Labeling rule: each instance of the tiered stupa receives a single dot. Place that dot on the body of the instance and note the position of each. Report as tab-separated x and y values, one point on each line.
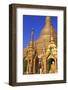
43	49
45	36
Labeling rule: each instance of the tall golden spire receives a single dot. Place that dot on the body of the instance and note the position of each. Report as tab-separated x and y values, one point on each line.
32	34
31	44
48	32
32	37
47	27
48	21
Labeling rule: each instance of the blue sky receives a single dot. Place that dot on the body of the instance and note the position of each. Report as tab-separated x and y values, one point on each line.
36	22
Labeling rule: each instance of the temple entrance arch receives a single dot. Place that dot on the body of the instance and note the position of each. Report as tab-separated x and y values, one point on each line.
50	65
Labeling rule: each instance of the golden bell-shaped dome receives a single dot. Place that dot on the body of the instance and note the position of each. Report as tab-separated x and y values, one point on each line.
48	28
48	31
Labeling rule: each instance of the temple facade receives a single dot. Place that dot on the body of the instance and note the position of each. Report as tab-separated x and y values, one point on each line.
40	56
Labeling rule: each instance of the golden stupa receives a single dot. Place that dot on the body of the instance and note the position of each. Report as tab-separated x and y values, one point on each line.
41	55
